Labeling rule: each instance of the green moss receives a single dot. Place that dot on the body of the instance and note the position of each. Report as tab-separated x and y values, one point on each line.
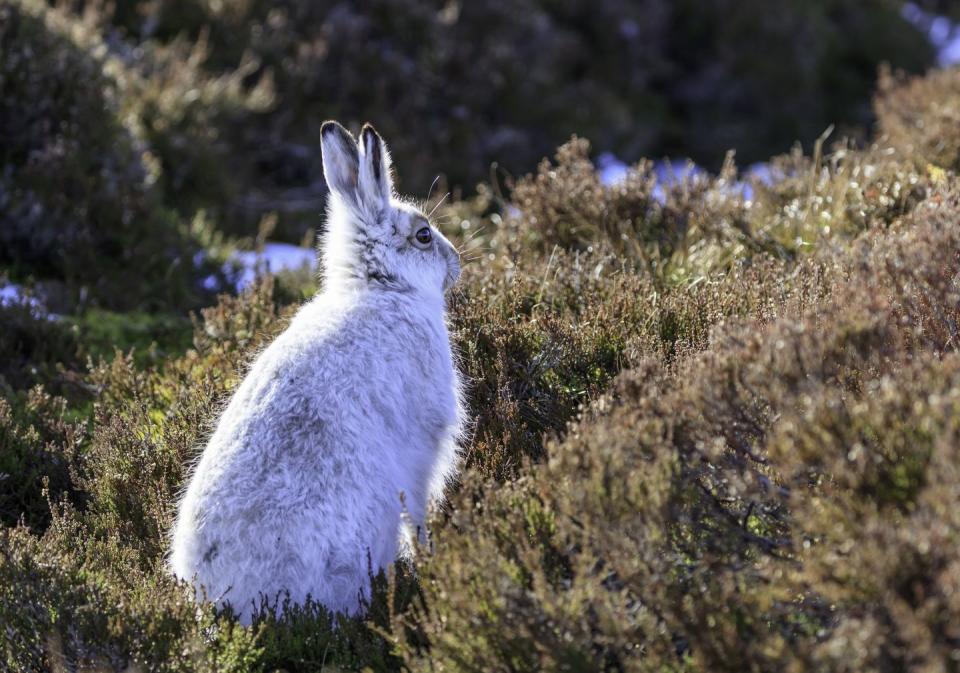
154	337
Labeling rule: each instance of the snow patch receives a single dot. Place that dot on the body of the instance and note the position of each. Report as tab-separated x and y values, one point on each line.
671	172
943	33
243	266
274	257
611	169
760	172
668	173
12	295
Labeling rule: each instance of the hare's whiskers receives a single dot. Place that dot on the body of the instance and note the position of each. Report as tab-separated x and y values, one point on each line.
439	203
432	185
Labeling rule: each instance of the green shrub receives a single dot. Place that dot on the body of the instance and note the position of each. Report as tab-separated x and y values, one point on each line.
78	206
108	154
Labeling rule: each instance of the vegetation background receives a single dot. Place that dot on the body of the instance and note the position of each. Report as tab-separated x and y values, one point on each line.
715	412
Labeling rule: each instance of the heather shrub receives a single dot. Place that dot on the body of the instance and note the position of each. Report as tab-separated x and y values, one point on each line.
698	224
712	430
830	46
75	604
109	155
150	424
875	479
541	335
538	338
670	529
835	195
70	600
566	204
39	453
917	115
541	343
189	118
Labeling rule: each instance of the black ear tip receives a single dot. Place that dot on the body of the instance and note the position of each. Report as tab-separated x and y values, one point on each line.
369	132
332	127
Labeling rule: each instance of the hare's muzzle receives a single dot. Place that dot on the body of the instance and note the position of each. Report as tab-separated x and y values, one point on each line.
453	266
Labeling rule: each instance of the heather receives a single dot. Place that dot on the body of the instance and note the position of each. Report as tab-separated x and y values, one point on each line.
713	422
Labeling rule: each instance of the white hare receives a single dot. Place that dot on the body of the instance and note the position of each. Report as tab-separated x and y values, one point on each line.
346	424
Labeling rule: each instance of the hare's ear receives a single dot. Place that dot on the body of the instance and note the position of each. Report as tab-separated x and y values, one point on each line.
376	185
341	161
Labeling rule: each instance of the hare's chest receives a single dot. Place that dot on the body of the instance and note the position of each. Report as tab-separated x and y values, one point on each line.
423	377
429	391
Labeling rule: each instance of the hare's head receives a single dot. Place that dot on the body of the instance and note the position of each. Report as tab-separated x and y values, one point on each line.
373	237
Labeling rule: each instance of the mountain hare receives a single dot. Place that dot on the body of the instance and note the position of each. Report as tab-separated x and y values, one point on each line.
346	426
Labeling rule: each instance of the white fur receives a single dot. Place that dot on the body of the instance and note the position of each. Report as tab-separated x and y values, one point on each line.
346	425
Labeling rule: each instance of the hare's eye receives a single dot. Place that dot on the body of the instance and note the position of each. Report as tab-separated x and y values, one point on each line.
424	235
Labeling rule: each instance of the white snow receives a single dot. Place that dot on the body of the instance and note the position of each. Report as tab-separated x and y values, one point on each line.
274	257
760	172
671	172
611	169
12	294
943	33
950	51
244	265
668	172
